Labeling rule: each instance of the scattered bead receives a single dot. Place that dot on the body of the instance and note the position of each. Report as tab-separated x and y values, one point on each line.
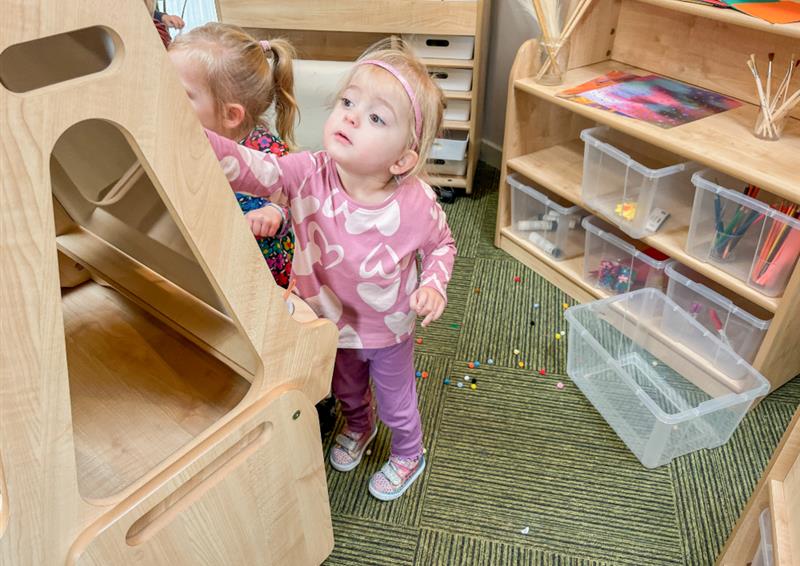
559	385
536	305
477	290
418	374
369	451
460	385
447	381
525	531
533	323
541	371
473	386
419	340
516	352
477	364
471	365
466	378
454	326
563	333
424	375
565	305
490	361
517	279
558	336
521	364
655	363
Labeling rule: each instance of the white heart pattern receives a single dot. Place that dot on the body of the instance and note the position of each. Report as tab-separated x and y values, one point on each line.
400	323
230	166
327	206
326	304
379	298
304	207
367	273
386	220
349	338
305	258
265	171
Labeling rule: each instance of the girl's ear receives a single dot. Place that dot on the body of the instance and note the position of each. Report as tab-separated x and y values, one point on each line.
405	164
232	116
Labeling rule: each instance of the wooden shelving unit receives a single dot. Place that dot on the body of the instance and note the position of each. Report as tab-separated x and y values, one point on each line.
683	41
340	31
779	491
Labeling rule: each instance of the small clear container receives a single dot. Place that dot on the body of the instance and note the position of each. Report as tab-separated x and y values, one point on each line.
616	266
548	222
741	235
734	325
642	188
666	390
763	556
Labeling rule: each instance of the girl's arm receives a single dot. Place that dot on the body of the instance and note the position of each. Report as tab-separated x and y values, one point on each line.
438	254
257	173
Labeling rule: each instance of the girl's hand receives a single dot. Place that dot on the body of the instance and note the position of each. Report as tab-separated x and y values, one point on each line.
264	222
427	302
172	21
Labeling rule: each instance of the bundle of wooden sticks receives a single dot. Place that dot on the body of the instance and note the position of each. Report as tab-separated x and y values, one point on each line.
549	25
775	106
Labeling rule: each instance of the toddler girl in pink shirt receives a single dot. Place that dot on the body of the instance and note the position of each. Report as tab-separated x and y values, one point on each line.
362	214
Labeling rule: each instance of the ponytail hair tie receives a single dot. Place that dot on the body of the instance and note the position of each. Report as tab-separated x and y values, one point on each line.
264	45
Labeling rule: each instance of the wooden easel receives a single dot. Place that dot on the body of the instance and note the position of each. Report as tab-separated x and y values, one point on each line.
156	396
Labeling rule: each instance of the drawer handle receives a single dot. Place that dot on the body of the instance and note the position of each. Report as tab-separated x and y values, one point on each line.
173	504
439	75
437	42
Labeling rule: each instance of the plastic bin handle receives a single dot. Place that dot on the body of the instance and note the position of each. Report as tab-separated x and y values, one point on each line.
606	148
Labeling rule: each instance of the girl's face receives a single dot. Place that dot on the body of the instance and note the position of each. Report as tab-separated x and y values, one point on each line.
369	128
196	87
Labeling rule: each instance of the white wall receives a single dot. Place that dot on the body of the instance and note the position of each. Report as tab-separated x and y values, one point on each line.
511	25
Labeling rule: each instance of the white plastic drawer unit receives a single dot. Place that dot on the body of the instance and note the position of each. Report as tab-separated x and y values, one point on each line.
442	46
452	147
457	110
447	167
452	79
664	383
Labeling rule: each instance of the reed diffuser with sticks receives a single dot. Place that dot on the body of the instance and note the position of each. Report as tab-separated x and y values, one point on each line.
774	105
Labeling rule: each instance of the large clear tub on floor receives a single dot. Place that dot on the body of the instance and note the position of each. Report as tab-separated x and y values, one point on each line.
665	384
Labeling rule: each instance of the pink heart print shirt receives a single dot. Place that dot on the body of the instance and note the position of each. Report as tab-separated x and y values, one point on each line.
354	264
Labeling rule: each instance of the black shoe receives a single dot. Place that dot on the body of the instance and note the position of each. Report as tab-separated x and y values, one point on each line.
326	409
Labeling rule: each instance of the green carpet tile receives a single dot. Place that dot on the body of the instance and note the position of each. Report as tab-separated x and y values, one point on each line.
521	472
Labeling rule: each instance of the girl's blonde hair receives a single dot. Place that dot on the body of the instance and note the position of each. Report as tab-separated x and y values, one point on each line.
396	52
238	70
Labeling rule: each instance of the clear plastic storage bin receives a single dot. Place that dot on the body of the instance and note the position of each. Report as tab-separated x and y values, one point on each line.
612	264
452	147
641	187
763	556
666	390
457	110
741	235
554	227
447	167
740	329
442	46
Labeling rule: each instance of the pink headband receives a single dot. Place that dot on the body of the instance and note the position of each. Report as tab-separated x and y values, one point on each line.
409	92
264	45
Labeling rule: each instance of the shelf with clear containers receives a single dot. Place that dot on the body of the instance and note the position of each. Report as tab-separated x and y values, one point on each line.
626	172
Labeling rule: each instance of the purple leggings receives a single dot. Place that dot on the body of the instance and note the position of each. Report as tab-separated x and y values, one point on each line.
392	371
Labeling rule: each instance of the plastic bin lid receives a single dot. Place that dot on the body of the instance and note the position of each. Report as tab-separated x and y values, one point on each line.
591	135
672	272
515	181
600	228
701	181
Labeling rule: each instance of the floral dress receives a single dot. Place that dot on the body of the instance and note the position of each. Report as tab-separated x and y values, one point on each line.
278	250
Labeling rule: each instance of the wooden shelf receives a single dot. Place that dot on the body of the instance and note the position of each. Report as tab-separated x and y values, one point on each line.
139	391
560	169
729	16
456	125
448	181
458	94
450	63
723	141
